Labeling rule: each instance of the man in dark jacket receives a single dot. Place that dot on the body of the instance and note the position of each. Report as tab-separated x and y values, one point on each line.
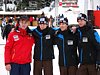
89	44
43	50
67	44
7	29
98	59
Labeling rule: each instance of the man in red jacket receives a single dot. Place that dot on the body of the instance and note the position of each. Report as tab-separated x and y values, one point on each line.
18	49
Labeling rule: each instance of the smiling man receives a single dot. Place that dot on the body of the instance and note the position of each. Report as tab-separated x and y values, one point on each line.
88	46
67	43
18	49
43	50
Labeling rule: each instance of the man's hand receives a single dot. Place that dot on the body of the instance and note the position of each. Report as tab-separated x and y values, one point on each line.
73	29
8	67
98	67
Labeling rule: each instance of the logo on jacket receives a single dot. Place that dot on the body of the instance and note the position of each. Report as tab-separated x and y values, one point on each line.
16	38
70	42
48	37
85	39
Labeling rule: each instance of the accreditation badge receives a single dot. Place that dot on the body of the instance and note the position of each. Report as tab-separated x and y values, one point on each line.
85	39
16	38
48	37
70	42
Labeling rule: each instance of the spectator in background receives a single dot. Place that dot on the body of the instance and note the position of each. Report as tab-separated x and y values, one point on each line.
7	29
43	14
4	22
31	21
51	20
3	26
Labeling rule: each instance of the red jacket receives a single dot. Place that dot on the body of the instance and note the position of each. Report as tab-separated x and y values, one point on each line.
18	47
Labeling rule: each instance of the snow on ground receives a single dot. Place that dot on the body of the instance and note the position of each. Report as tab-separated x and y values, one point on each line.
2	66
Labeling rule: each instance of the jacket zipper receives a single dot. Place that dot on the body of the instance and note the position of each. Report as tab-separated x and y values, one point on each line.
41	50
64	54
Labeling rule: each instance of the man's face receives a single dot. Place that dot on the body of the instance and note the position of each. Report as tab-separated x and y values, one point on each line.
81	23
42	26
10	23
23	24
63	26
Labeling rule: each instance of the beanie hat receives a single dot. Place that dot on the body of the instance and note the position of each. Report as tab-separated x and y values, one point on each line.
24	17
82	16
43	20
63	20
10	21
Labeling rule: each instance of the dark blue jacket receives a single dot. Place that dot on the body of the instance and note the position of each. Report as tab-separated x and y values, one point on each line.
89	45
67	43
43	49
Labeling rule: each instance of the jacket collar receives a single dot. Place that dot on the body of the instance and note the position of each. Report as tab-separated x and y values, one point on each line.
85	28
22	31
45	31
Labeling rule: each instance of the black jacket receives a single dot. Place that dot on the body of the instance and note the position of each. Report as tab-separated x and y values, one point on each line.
43	49
7	30
67	44
89	44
